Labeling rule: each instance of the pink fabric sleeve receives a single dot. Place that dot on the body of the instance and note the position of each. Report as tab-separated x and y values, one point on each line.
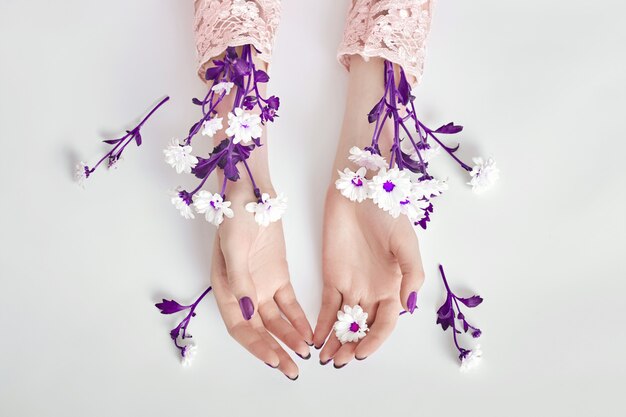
395	30
219	24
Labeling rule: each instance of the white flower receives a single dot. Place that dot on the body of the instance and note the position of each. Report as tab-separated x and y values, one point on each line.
353	185
223	86
427	154
213	207
243	126
484	174
351	324
212	126
81	174
389	188
413	207
182	201
179	156
429	188
188	354
268	210
472	359
367	159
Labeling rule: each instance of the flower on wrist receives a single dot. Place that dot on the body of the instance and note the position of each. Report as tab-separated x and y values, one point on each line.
353	185
365	158
403	185
268	210
234	74
179	157
213	207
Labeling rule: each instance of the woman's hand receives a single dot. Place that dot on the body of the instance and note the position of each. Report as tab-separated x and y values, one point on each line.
250	280
369	259
249	271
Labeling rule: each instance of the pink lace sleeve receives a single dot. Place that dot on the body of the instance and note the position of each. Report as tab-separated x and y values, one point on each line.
392	29
219	24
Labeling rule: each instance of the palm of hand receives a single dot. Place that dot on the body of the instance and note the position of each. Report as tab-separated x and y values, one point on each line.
370	259
250	261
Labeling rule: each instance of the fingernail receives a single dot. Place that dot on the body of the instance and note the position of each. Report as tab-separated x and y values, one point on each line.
273	367
360	359
340	366
325	363
304	357
247	308
293	379
411	303
317	347
310	344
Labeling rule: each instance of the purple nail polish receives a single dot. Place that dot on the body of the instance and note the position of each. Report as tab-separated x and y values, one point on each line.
340	366
412	302
324	363
247	308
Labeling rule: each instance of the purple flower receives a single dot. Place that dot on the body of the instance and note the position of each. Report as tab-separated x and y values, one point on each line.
449	314
179	333
234	74
119	144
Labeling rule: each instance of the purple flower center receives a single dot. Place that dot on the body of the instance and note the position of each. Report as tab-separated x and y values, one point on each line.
405	202
354	327
389	186
213	204
185	196
245	125
357	182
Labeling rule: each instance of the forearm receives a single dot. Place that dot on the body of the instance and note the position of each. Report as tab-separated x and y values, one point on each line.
365	88
254	172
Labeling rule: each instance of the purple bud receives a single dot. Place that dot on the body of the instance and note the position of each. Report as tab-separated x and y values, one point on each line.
261	76
449	128
170	306
476	333
273	102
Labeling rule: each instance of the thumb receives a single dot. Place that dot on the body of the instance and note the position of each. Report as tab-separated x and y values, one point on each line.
410	262
239	279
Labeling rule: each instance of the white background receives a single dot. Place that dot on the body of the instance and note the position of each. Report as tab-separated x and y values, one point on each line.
539	85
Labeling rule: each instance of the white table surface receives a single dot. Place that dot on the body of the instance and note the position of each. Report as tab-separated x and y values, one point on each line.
539	85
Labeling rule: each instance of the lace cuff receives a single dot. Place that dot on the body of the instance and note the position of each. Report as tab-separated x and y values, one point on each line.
395	30
219	24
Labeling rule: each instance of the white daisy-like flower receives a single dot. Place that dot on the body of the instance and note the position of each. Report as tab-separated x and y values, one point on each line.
427	154
413	207
484	174
351	324
367	159
389	188
179	157
213	207
188	354
429	188
243	126
212	126
353	185
81	173
223	87
268	210
182	201
472	359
